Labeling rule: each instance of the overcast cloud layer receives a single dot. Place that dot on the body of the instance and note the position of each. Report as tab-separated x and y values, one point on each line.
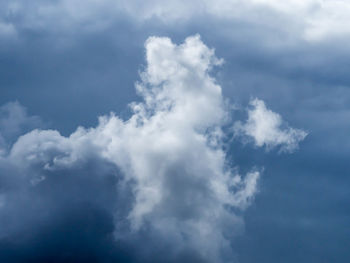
238	154
311	20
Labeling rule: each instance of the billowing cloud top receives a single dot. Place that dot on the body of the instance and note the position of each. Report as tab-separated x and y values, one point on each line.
174	182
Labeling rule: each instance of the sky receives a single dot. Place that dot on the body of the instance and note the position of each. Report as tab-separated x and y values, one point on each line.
174	131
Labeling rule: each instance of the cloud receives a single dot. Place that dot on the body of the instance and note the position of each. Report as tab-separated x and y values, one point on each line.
265	127
310	20
14	121
162	175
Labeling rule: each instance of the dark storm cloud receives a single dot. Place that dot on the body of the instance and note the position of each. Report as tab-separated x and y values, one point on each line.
67	218
72	216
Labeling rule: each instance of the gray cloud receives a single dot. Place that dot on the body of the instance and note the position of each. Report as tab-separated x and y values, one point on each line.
15	121
311	20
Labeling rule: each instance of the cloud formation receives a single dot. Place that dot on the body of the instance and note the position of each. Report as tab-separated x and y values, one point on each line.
160	175
310	20
14	121
265	127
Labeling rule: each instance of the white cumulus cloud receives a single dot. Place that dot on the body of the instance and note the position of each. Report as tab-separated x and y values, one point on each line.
170	150
265	127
